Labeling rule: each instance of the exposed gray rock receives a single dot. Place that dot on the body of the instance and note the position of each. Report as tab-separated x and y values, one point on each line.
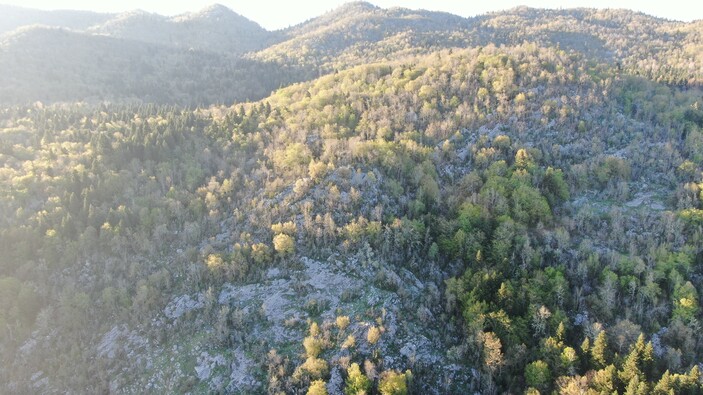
240	376
207	363
335	383
39	380
120	340
646	198
183	304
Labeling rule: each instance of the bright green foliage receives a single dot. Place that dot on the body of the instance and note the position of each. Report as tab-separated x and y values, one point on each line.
586	346
288	228
630	369
692	215
356	383
680	383
554	186
260	253
313	344
529	206
314	329
294	156
349	342
538	375
214	262
685	302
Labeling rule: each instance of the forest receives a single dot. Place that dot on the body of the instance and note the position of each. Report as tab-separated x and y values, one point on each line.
515	208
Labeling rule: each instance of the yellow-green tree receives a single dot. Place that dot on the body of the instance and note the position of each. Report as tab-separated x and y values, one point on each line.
356	383
373	335
393	383
317	387
283	244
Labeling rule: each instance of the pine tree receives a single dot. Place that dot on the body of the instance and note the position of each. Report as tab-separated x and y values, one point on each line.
604	380
664	385
639	356
561	332
630	368
599	350
636	387
586	346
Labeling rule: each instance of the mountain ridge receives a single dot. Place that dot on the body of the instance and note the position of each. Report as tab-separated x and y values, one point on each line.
359	32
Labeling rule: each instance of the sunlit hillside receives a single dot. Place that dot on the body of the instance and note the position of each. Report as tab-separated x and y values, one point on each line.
375	201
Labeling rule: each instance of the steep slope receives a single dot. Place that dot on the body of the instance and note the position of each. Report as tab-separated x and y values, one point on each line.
52	64
215	28
491	219
13	17
441	212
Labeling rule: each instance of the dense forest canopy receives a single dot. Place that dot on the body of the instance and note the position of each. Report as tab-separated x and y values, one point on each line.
374	201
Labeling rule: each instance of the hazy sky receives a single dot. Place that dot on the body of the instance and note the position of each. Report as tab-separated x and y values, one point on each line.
274	14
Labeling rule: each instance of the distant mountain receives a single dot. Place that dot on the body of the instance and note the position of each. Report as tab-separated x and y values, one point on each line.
354	34
366	17
12	17
54	64
215	28
358	32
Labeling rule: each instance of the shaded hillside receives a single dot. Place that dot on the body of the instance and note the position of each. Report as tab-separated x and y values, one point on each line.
56	65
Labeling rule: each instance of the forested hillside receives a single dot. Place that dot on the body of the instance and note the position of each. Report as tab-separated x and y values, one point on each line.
424	204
